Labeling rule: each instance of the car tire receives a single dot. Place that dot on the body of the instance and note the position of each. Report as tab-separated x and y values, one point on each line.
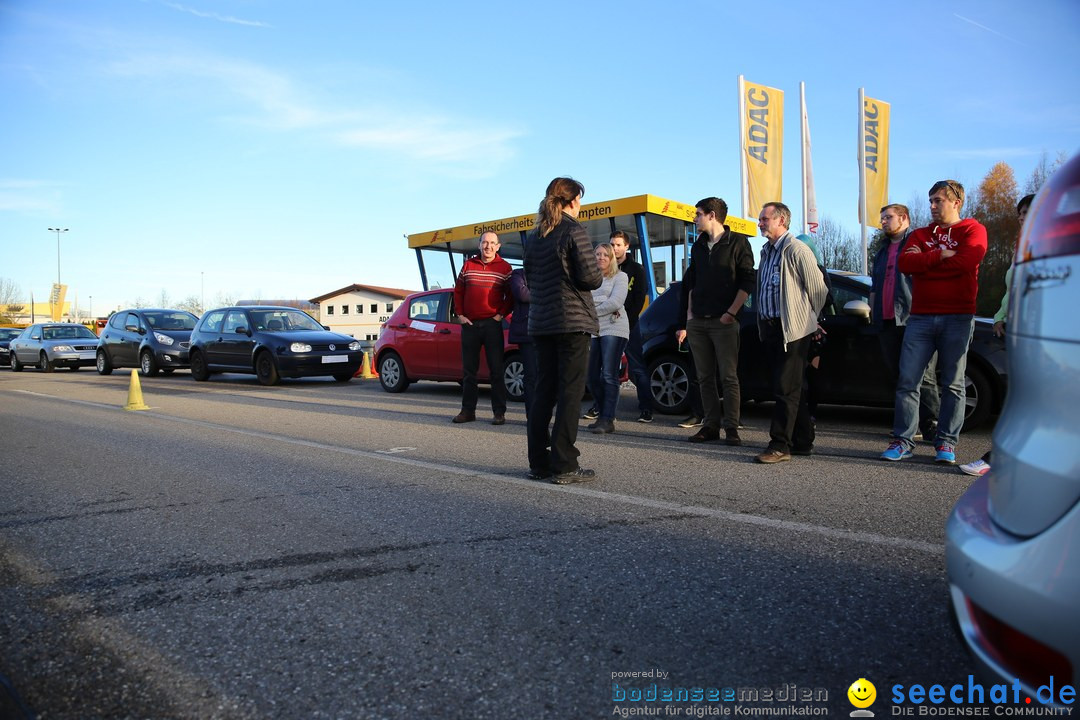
392	373
265	369
16	366
103	364
148	366
514	377
669	384
44	364
199	370
343	377
979	397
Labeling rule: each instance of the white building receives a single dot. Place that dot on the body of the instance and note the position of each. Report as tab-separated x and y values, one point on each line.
359	310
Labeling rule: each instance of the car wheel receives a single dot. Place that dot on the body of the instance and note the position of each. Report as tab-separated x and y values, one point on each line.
392	373
147	364
198	367
104	367
669	382
44	364
16	366
978	397
265	369
514	378
343	377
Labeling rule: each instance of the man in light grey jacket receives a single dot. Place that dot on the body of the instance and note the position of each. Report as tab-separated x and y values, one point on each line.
790	295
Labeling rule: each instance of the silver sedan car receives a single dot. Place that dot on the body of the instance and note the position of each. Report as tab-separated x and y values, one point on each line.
1013	539
48	346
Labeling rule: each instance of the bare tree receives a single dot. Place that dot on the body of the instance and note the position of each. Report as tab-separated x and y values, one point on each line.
839	247
192	304
225	298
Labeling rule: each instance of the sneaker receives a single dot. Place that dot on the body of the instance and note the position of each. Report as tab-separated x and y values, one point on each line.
498	420
731	436
645	416
592	413
770	457
978	468
946	454
570	477
691	422
896	451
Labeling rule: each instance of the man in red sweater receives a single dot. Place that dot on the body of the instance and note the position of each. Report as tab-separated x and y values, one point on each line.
482	299
943	262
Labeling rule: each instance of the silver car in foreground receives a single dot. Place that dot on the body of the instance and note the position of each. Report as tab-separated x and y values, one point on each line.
52	345
1013	539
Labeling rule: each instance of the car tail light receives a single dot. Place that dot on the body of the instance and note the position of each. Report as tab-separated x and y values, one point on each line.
1054	228
1022	656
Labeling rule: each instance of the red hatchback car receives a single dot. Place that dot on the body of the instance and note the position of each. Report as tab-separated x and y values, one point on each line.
422	341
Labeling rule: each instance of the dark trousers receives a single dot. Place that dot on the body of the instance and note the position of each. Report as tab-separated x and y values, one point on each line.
486	334
639	373
561	364
716	356
527	353
791	425
891	339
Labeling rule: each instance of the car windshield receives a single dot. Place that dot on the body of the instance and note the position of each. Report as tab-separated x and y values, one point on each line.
283	321
170	320
66	332
9	333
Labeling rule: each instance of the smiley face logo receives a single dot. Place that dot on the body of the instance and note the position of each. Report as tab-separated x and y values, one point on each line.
862	693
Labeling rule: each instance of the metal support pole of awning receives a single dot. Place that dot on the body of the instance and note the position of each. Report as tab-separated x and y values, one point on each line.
423	270
646	254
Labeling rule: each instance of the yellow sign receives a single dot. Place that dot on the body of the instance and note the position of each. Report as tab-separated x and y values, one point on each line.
762	128
56	301
637	204
875	141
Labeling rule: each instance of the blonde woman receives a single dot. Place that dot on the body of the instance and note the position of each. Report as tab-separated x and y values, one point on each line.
607	346
561	271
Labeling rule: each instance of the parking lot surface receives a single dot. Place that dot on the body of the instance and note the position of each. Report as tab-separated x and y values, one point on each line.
322	550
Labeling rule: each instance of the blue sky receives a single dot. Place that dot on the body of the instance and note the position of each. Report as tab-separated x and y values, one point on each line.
281	149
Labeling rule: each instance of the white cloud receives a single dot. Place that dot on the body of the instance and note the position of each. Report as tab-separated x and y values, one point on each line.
215	16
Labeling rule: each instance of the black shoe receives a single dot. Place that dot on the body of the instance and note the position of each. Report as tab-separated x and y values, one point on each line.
539	474
803	451
691	422
570	477
464	416
592	413
731	436
645	416
499	420
705	434
603	426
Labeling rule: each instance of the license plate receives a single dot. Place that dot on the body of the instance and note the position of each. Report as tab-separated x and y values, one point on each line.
335	358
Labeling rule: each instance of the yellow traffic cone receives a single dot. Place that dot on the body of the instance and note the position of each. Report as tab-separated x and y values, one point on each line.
135	401
365	368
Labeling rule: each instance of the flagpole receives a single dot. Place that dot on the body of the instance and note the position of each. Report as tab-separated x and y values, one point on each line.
862	174
802	138
742	153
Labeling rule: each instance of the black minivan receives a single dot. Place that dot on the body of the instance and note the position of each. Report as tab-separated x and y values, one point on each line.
150	339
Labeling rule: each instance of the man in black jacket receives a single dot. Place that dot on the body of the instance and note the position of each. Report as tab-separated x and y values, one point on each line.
635	301
715	286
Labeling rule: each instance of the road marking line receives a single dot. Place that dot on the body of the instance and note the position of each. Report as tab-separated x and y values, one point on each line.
644	502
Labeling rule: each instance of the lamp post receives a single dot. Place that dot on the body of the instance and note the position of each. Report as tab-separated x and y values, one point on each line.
91	308
58	231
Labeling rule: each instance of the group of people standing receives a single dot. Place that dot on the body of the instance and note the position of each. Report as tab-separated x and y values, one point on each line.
575	311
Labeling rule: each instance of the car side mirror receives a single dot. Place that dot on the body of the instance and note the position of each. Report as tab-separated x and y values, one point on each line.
242	331
131	328
326	327
857	308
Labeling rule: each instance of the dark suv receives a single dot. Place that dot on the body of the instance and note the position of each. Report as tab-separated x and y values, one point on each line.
852	369
150	339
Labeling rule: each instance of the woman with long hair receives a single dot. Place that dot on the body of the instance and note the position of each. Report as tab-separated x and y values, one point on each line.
561	271
607	347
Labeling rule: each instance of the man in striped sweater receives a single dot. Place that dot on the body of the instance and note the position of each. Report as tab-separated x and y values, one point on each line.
482	299
790	295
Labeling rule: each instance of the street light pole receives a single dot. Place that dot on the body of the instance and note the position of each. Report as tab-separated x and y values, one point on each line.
58	231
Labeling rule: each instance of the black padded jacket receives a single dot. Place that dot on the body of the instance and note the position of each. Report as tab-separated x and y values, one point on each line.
561	271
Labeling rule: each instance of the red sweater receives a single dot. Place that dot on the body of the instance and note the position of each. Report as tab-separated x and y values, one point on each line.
482	289
944	286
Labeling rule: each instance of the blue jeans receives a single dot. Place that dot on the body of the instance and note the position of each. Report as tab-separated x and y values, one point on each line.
604	356
949	336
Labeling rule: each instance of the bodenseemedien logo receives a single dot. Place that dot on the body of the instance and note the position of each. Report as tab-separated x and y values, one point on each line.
862	694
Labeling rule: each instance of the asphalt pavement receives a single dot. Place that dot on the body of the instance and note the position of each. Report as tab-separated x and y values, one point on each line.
322	550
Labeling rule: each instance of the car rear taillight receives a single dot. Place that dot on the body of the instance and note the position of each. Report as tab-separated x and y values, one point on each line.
1019	654
1054	227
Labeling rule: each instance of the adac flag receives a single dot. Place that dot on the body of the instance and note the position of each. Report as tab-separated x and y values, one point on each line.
762	145
875	166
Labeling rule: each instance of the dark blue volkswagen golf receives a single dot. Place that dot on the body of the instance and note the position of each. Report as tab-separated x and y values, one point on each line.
271	343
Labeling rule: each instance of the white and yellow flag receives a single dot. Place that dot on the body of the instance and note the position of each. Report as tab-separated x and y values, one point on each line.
875	158
761	129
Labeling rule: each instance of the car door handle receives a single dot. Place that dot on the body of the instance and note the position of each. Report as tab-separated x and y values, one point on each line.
444	331
400	326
